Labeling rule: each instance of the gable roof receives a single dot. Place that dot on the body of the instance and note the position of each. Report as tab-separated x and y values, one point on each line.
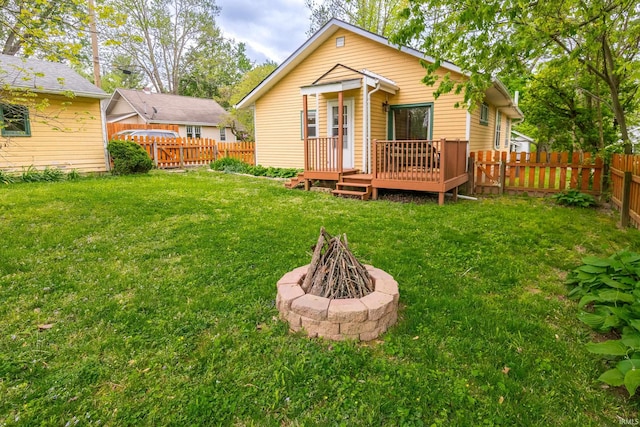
45	77
330	28
167	108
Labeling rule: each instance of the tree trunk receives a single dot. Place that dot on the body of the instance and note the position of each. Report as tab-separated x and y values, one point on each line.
614	85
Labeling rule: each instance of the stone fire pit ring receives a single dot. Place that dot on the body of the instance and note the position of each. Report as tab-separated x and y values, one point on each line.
361	319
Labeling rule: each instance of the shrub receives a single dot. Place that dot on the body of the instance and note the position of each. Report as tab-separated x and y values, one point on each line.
52	174
73	175
129	158
575	198
228	164
5	178
610	289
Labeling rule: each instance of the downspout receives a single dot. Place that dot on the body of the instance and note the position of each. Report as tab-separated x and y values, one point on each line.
105	140
368	144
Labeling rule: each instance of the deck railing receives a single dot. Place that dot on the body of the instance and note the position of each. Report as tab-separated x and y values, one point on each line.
419	160
322	155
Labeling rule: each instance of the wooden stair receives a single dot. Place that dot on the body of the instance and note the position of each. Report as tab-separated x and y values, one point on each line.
358	185
295	181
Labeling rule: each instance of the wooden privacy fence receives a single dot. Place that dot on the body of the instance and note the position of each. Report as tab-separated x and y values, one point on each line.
117	127
625	188
495	172
168	153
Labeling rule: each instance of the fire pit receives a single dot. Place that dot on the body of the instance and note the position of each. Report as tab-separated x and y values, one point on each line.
314	297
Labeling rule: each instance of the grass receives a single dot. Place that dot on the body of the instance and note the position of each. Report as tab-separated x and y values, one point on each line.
160	289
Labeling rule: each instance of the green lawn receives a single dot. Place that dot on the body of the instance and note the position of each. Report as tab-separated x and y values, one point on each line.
160	294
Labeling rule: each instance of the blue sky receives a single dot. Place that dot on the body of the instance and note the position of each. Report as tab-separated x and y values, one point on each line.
271	29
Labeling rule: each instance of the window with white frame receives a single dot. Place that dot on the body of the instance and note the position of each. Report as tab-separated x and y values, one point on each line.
223	134
484	114
312	124
507	133
498	130
194	132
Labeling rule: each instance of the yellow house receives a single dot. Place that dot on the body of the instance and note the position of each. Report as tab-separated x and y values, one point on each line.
392	132
49	117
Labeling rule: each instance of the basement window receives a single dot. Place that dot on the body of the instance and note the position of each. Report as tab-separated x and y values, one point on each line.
339	41
14	120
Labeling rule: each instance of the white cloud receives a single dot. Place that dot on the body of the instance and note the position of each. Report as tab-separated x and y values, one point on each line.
271	29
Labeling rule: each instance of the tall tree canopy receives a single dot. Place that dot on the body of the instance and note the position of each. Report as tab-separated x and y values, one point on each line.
377	16
43	28
498	37
214	65
158	34
241	121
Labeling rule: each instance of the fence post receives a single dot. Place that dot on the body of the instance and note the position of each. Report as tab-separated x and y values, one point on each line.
155	152
181	155
472	176
626	199
503	171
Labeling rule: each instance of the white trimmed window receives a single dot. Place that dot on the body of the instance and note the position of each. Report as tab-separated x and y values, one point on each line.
312	124
223	134
507	133
484	114
498	139
194	132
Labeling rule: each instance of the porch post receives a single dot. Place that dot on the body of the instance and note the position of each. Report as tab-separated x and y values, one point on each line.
305	131
340	129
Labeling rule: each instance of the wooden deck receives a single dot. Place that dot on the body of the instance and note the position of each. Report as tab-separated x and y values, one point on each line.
436	166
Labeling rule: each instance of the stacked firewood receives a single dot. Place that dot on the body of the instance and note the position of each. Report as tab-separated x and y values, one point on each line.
334	272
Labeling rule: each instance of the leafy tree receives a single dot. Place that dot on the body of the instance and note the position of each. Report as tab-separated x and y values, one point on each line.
158	34
44	28
123	73
563	107
377	16
215	65
501	37
241	121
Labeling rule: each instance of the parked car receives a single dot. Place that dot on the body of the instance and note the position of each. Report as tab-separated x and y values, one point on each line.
157	133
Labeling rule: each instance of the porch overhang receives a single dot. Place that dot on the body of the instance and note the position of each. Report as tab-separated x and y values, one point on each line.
331	87
368	78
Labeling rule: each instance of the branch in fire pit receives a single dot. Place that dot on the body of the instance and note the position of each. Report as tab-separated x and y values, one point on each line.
334	272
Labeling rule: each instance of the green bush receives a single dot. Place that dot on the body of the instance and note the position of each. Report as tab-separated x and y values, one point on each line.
575	198
228	164
73	175
609	290
31	174
129	158
6	178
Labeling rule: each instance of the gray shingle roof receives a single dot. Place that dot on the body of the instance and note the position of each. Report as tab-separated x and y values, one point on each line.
174	109
45	77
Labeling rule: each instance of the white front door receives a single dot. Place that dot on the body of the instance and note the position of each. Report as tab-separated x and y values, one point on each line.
347	141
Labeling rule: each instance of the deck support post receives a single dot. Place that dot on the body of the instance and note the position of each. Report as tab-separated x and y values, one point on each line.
305	137
441	198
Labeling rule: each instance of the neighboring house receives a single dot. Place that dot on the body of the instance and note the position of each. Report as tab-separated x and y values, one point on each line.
383	98
195	117
520	143
50	116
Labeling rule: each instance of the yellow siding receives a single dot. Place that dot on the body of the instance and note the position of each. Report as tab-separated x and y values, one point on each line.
482	137
67	135
278	111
